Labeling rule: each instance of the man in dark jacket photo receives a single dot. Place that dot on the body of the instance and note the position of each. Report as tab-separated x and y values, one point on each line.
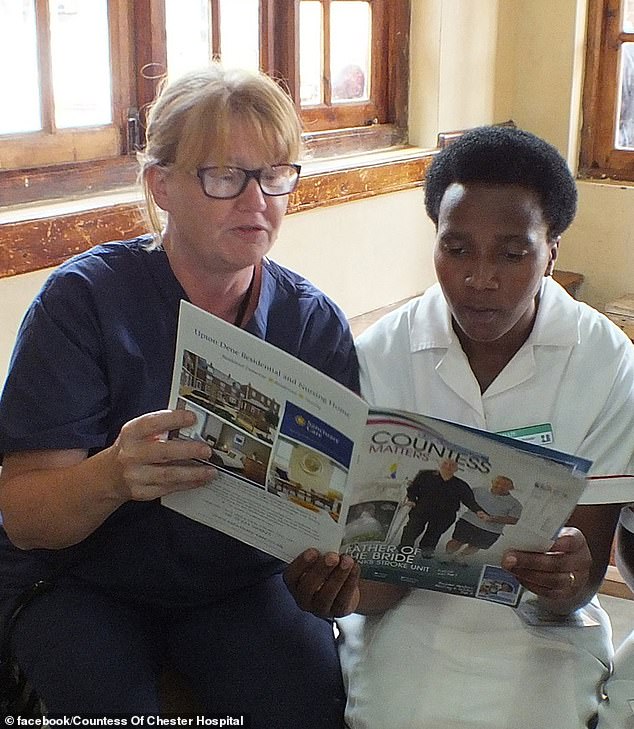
435	496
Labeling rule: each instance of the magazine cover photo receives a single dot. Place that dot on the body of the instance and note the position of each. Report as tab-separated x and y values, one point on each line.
432	514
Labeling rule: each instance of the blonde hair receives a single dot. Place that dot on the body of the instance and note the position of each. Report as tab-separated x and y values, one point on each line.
192	116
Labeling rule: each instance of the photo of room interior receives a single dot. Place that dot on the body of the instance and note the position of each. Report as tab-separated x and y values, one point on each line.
233	450
307	478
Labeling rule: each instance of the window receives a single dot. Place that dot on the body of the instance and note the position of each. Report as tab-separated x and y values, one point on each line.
607	141
335	75
57	80
83	72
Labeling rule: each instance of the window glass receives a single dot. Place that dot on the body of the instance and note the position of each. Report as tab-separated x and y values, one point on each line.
350	34
19	79
240	33
625	127
628	16
311	43
80	59
187	29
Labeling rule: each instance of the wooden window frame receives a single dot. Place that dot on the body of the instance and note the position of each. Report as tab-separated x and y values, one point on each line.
357	127
326	115
138	42
50	146
599	157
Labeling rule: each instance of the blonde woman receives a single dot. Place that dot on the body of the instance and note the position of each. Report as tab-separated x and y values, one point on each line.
135	584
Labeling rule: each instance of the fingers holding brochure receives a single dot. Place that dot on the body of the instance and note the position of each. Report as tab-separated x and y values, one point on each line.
324	584
560	575
148	465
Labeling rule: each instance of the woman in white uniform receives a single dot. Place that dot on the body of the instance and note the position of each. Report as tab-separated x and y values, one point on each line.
498	345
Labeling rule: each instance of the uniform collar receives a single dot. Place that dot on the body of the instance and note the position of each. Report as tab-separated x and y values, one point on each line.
554	324
431	329
430	322
557	324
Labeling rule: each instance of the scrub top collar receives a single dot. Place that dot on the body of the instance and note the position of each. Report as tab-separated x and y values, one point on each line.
173	292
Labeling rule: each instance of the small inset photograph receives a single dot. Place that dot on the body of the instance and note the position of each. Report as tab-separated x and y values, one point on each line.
498	585
311	462
237	403
233	451
307	478
369	521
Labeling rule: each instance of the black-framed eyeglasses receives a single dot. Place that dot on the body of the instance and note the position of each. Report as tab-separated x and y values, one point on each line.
224	183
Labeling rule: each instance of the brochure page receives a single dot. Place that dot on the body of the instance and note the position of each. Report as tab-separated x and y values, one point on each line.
303	462
282	437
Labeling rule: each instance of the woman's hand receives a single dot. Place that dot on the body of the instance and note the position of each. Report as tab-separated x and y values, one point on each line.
52	499
560	576
148	465
324	584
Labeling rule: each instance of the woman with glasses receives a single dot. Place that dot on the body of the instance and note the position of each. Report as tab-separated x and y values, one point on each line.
136	585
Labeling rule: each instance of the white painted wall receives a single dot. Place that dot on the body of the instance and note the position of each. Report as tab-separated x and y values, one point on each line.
600	242
364	254
550	37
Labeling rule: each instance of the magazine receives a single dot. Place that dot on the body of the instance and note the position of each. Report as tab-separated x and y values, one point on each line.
304	462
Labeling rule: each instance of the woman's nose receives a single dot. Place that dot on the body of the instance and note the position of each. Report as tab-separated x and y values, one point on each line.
482	275
252	196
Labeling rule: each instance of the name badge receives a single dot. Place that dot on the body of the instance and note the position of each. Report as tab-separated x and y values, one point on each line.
536	434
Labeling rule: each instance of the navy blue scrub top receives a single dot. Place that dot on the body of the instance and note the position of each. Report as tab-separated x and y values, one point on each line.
96	349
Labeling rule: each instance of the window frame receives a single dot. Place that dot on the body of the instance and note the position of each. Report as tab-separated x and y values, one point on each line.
599	158
326	115
138	41
50	147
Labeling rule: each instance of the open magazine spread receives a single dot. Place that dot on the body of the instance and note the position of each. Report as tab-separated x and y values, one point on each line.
303	462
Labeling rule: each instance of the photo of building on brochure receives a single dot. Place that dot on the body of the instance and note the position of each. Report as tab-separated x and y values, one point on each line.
234	418
277	447
434	515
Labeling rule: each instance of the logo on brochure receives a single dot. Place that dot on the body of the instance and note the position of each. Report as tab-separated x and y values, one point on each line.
315	433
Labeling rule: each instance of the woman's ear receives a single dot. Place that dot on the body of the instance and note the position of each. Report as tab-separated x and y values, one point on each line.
554	252
157	182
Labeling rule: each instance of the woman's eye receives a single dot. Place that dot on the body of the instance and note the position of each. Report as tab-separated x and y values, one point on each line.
455	250
514	255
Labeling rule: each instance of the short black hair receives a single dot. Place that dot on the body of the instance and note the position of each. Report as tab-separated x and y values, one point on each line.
508	156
